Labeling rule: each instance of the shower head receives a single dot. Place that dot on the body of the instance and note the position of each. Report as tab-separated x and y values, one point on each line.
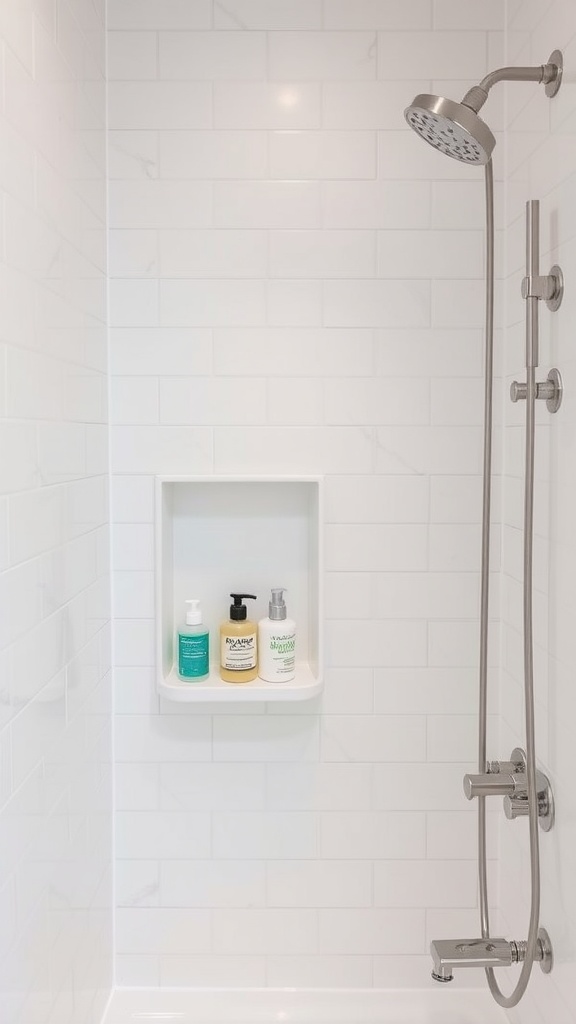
456	129
453	128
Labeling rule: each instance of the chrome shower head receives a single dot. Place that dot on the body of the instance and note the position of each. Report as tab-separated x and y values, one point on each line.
453	128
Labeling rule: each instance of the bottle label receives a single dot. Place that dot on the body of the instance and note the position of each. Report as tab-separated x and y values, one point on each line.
238	653
282	652
193	655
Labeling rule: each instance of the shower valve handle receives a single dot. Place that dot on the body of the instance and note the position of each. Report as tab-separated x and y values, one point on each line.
518	391
516	805
492	784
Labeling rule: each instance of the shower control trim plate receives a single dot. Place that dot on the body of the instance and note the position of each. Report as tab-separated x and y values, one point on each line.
509	779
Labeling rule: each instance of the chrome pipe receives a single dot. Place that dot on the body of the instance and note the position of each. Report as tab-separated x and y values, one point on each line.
549	74
532	271
485	554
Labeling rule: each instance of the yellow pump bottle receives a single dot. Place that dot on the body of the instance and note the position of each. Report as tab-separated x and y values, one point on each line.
238	644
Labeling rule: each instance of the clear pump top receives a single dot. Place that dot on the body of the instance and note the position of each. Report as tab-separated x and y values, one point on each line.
193	612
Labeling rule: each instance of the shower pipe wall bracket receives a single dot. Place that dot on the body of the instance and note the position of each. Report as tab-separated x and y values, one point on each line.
549	287
549	390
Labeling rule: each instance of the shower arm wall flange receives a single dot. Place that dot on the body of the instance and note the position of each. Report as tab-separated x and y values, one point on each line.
549	75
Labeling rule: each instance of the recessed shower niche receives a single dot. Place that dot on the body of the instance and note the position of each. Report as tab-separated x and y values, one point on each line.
217	535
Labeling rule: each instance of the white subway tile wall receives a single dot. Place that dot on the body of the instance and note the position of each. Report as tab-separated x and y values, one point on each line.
56	911
541	151
296	288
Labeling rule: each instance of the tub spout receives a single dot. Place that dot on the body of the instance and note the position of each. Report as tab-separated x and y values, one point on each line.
448	954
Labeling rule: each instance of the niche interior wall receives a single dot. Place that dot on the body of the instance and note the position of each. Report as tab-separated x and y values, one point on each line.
296	289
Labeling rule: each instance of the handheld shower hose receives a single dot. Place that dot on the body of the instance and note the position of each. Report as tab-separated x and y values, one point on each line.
532	794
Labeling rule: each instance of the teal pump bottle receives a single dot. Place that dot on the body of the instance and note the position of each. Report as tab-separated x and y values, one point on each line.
193	645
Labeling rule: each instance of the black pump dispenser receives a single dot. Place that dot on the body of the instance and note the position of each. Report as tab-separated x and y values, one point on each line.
238	610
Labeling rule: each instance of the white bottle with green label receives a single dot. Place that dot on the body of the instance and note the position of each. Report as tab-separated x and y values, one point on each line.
193	645
277	642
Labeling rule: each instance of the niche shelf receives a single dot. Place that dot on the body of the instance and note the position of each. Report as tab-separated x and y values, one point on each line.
218	534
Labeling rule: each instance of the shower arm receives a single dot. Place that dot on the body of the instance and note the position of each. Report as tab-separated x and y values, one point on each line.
549	74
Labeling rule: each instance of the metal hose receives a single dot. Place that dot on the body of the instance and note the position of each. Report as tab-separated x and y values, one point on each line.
531	363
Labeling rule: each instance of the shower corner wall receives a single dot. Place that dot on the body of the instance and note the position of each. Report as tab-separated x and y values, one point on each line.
56	920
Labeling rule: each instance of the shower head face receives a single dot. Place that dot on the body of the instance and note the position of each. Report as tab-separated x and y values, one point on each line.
452	128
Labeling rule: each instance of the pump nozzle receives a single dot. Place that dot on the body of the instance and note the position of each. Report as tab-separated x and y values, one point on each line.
277	606
193	612
238	610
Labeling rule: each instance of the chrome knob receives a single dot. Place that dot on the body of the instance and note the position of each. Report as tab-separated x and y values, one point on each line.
518	391
516	806
508	767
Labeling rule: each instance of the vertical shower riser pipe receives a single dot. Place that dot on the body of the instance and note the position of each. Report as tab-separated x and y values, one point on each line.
485	555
